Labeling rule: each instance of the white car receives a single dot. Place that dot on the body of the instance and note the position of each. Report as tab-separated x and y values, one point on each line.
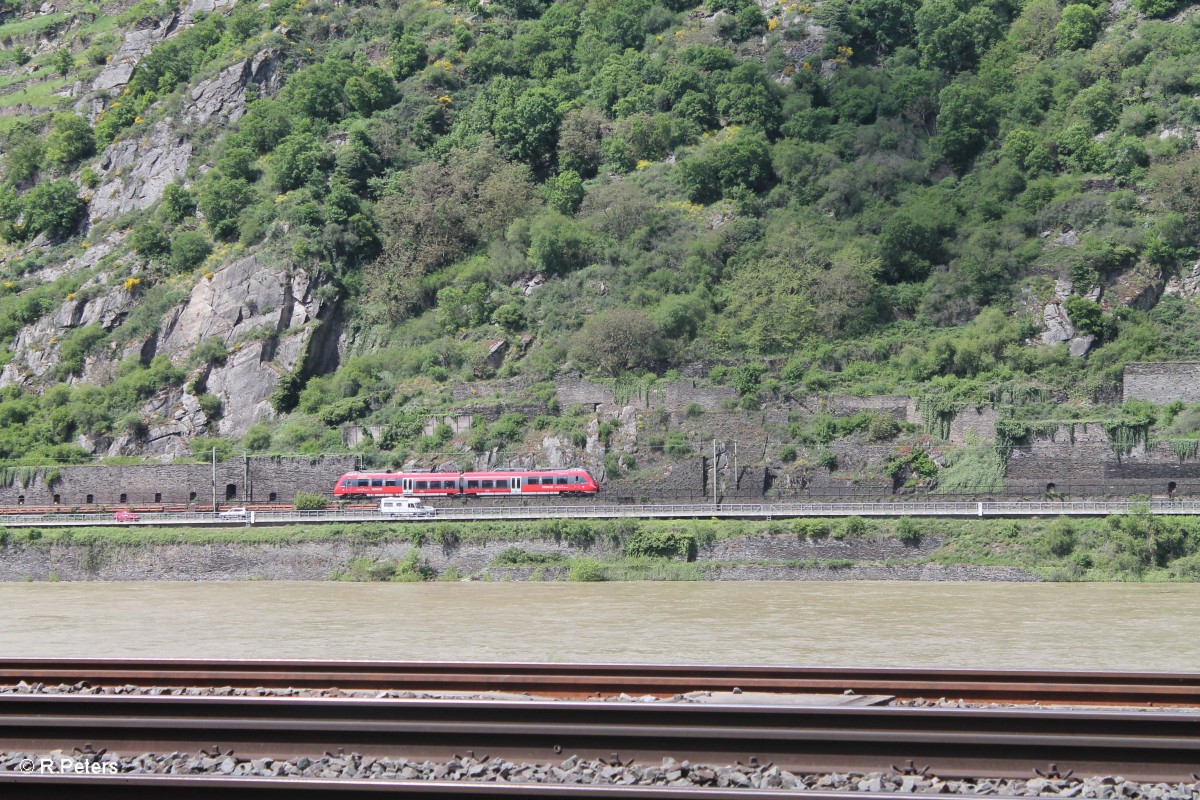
405	506
234	513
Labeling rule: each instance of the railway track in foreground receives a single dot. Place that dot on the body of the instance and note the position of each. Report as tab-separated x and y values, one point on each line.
949	743
583	680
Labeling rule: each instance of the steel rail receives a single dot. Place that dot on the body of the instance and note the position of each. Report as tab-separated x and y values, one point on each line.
576	680
155	787
951	742
765	511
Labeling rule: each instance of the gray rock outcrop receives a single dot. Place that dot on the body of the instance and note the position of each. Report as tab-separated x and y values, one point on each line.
224	97
137	44
270	321
139	170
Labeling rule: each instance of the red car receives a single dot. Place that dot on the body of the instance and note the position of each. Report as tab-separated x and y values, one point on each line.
126	516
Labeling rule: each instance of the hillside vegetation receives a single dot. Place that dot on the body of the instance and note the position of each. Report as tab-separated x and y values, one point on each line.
867	197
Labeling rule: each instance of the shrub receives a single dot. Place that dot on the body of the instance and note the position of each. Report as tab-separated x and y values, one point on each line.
1156	8
811	528
188	250
853	526
907	531
211	405
676	446
882	427
149	240
585	570
660	544
308	501
178	203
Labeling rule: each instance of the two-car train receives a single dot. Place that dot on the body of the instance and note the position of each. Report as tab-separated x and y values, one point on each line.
507	482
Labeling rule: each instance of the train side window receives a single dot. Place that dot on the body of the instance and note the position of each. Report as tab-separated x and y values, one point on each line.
364	483
439	485
489	484
422	484
390	483
502	484
472	484
378	483
561	480
533	481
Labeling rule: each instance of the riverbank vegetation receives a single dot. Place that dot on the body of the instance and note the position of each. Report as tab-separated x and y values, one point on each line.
1133	547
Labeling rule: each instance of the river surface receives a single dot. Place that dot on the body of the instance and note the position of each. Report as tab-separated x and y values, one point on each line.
1051	626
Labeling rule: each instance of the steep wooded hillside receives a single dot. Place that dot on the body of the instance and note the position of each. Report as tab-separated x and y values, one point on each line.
248	224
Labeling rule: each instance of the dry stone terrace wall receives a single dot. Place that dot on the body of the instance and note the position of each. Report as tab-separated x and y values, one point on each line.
247	480
1086	464
1163	383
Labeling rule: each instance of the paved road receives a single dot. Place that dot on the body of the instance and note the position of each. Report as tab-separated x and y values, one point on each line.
681	511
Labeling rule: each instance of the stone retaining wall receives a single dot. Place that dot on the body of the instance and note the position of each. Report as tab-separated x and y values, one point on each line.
1083	463
320	560
247	480
1163	383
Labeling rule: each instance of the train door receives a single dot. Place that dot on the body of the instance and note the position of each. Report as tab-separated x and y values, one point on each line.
516	486
406	485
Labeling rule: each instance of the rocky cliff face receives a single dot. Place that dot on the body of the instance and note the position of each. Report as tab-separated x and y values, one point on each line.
270	318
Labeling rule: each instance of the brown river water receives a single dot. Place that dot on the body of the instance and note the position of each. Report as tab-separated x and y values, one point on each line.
1050	626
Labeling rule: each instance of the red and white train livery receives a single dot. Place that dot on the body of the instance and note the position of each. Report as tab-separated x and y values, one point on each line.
453	484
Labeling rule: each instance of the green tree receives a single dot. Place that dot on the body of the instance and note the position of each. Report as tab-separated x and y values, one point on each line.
1156	8
612	342
954	34
178	203
559	245
264	125
188	250
70	139
408	56
148	240
23	152
884	25
54	208
564	192
300	159
1077	27
369	91
62	61
528	129
964	121
221	200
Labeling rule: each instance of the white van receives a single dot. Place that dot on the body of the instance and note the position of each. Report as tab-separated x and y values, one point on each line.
406	506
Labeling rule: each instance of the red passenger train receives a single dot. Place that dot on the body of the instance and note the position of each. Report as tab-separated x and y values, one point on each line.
452	484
